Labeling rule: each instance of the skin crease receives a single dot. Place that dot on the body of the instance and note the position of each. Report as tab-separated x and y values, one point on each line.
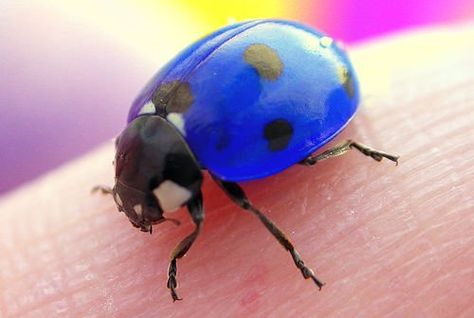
388	241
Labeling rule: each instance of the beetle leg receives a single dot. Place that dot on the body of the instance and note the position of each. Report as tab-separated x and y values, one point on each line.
197	213
237	194
102	189
345	147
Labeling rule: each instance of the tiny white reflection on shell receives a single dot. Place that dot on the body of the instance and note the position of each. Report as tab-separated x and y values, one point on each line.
326	41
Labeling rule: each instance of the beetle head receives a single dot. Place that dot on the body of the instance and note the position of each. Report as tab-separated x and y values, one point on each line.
155	171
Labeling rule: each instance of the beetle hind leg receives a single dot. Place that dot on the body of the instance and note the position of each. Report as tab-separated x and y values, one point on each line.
345	147
236	194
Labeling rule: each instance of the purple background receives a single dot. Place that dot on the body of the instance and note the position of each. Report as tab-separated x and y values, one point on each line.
66	85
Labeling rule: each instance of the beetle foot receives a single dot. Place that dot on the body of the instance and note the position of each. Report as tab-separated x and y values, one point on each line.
309	273
174	295
377	155
172	283
306	271
343	148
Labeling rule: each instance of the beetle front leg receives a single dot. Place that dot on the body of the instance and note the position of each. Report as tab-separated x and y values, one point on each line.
197	213
345	147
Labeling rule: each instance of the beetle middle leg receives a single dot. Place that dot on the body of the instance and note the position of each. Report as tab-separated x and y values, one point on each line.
237	194
196	210
345	147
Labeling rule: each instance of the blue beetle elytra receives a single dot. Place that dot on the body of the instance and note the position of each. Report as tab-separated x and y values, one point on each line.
245	102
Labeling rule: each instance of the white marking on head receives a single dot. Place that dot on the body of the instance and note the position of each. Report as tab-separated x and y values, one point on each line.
171	195
178	121
138	209
148	108
118	199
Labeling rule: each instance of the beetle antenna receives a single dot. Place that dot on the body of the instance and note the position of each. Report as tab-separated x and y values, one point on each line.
102	189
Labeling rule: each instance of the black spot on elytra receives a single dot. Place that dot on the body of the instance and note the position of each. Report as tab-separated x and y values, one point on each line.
278	133
347	82
172	97
223	140
264	60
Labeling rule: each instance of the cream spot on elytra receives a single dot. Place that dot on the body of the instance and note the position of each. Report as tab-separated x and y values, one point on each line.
148	108
177	120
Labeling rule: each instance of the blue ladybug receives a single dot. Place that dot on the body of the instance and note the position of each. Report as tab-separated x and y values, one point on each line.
243	103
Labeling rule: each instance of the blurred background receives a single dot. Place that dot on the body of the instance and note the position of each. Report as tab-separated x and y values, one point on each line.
70	69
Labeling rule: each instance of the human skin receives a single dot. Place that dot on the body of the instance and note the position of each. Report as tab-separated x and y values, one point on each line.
388	241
